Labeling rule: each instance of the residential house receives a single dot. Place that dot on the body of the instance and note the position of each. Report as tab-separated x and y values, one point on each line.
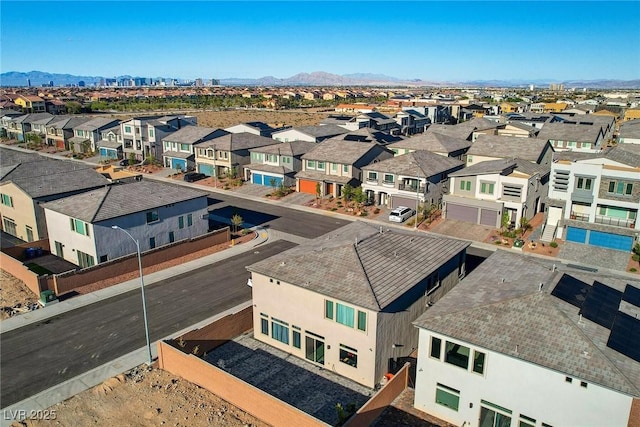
594	198
256	128
533	119
554	107
345	301
39	125
336	162
575	137
179	147
87	134
508	129
377	121
355	108
629	132
367	134
411	121
228	153
418	177
464	130
276	164
308	133
7	122
631	114
55	107
435	142
524	342
30	104
110	145
59	130
486	192
492	147
19	126
143	136
81	226
28	179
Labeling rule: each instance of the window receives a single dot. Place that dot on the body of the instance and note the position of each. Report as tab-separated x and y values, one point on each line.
189	220
314	348
29	231
85	260
59	250
372	176
152	242
328	309
344	315
296	337
152	216
362	320
469	159
180	222
583	384
478	362
447	396
104	258
151	133
584	183
526	421
349	355
492	415
184	147
621	187
79	227
311	164
436	347
334	167
127	129
320	166
286	160
7	200
388	178
9	226
465	185
433	283
280	330
172	237
345	168
486	188
457	354
264	324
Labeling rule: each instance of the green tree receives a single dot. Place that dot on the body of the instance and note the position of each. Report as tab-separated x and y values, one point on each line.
347	193
236	221
33	140
132	158
74	107
359	196
505	221
318	192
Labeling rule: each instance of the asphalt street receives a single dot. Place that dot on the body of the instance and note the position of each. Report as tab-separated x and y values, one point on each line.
38	356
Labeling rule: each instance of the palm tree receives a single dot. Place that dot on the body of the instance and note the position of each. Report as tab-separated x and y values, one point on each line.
236	221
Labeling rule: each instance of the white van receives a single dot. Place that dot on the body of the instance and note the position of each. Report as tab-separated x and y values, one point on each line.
400	214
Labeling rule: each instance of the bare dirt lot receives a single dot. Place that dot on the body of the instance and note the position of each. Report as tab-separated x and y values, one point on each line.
14	296
224	119
145	397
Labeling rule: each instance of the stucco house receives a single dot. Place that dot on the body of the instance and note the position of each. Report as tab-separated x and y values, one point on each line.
256	128
524	342
275	165
88	134
345	301
435	142
142	136
80	226
629	132
493	147
308	133
179	150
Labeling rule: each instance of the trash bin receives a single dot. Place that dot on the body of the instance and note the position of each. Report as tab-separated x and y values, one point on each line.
47	296
38	251
30	253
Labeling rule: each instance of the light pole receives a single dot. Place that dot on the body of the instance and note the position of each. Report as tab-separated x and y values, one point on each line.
144	303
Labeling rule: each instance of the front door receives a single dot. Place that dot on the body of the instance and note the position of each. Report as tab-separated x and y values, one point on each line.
59	251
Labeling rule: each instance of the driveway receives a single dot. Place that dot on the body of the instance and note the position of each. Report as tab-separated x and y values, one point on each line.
594	256
462	230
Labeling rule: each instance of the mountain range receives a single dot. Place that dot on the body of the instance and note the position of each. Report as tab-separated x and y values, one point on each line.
321	78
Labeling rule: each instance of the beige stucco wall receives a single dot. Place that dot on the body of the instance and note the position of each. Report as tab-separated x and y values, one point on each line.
22	212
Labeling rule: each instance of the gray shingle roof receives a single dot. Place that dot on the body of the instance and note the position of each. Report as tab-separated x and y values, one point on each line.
96	123
433	141
503	166
116	200
499	306
508	146
46	177
417	164
294	148
238	141
570	132
367	134
194	134
372	273
318	131
627	154
340	151
630	129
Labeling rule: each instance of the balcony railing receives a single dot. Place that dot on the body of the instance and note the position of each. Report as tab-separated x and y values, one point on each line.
579	217
409	187
605	220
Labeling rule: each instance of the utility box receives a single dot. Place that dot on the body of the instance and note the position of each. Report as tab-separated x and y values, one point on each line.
47	296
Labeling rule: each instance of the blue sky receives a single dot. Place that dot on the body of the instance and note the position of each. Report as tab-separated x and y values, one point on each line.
431	40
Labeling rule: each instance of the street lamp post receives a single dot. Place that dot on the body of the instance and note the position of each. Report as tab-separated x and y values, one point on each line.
144	303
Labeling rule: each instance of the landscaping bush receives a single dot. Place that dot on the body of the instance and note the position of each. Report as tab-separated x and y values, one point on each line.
633	269
553	244
334	209
376	211
635	257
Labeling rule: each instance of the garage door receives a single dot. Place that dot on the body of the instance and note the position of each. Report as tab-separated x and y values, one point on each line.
610	240
179	164
308	187
578	235
205	169
462	213
409	202
272	181
257	178
489	217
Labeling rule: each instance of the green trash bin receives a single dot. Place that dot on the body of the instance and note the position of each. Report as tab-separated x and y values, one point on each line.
47	296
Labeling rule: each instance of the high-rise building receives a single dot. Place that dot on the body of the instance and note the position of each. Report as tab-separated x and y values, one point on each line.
215	82
28	82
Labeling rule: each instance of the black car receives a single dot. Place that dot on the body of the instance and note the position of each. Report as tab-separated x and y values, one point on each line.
124	162
193	176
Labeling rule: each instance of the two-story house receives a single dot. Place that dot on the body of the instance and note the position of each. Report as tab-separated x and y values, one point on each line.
418	177
435	142
87	134
370	135
179	147
521	342
573	136
345	301
484	192
629	132
110	144
275	165
228	153
411	121
60	130
594	198
7	122
28	179
256	128
143	136
493	147
30	103
336	162
308	133
19	126
81	226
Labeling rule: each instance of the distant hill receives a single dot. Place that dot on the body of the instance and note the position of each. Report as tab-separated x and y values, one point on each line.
321	78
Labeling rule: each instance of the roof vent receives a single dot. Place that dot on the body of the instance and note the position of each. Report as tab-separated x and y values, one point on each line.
502	280
516	348
380	229
540	287
356	241
283	263
395	254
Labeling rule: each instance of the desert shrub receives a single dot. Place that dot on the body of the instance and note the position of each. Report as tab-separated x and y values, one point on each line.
553	244
633	269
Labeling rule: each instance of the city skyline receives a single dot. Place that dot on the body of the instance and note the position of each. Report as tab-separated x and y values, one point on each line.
432	41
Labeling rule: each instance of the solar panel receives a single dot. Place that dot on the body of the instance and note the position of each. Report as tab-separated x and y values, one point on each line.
571	290
632	295
601	304
625	336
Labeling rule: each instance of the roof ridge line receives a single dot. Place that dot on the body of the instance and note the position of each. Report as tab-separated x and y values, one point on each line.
375	297
95	213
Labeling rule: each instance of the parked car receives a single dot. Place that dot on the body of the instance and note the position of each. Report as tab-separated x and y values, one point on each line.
401	214
124	162
193	176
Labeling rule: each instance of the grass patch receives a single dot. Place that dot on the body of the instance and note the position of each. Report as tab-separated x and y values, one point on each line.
39	270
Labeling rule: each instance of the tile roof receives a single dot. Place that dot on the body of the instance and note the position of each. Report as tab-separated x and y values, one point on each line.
340	151
508	146
294	148
417	164
116	200
360	265
433	141
570	132
500	306
238	141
